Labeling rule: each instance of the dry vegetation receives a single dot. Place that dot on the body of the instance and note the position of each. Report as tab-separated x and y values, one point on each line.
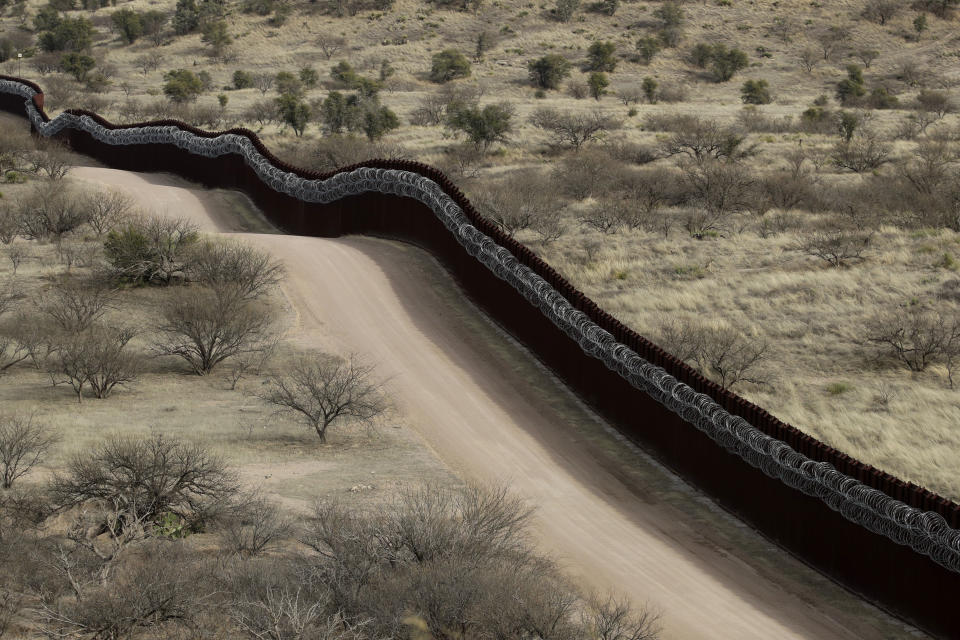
781	210
176	502
790	190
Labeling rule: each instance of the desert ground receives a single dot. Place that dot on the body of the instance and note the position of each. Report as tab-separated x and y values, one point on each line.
471	406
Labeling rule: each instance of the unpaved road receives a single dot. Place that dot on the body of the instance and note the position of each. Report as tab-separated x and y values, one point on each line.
710	576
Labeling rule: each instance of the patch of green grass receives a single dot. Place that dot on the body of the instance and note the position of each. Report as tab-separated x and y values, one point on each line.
839	388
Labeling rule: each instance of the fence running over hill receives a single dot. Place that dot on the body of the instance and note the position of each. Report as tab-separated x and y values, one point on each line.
894	542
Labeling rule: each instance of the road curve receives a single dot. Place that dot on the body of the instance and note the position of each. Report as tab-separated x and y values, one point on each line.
369	296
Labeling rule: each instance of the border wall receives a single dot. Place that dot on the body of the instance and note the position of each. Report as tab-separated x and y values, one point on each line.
895	543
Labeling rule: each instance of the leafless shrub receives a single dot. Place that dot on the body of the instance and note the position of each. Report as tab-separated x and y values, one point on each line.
631	152
10	296
23	444
463	160
754	120
263	82
324	390
74	304
263	112
8	223
606	215
206	326
578	90
702	140
251	272
523	200
630	95
332	152
432	110
592	172
148	62
717	189
610	618
49	210
862	153
10	605
574	129
837	247
646	194
107	209
918	336
51	159
254	526
881	10
454	559
96	357
156	588
330	45
723	352
149	478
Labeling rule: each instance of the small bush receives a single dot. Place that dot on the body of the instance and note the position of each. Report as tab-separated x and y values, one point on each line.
548	71
242	79
600	57
449	65
755	92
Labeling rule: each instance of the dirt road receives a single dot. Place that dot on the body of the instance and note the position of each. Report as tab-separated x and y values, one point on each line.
607	513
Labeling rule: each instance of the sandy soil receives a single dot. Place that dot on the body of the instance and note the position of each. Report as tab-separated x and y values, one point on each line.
488	423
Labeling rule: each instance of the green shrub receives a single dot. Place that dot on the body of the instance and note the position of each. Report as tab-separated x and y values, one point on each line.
242	79
726	62
600	57
309	77
647	48
68	34
182	85
598	83
128	24
78	65
288	84
548	71
755	92
565	9
851	87
483	126
294	112
449	65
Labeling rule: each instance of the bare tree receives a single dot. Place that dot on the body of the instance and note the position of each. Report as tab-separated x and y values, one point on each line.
809	59
718	189
862	153
51	158
838	247
148	478
96	357
254	525
525	199
23	444
833	40
732	356
330	45
10	296
49	210
263	82
206	326
148	62
917	336
107	209
611	618
327	389
881	10
223	263
703	140
74	305
606	215
575	129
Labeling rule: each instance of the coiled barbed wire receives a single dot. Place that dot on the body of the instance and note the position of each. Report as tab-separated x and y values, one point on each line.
926	532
